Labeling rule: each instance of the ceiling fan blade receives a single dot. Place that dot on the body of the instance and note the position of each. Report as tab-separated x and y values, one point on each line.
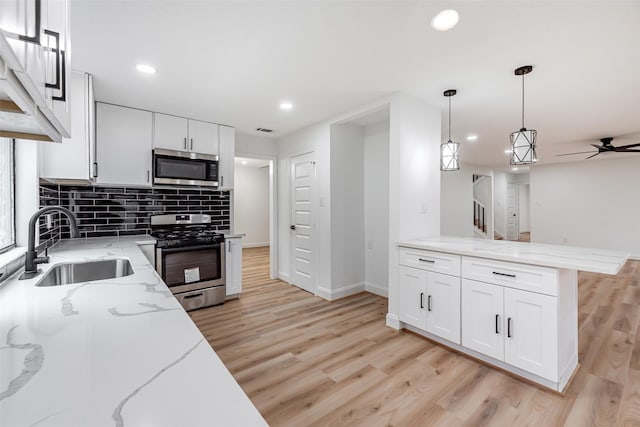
628	146
592	156
628	151
571	154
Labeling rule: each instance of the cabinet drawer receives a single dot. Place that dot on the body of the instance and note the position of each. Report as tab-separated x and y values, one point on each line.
431	261
519	276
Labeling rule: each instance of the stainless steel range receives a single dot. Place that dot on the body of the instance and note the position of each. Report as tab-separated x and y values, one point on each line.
190	258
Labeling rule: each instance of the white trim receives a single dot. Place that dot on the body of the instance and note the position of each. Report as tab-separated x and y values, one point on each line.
255	245
11	255
284	277
373	288
635	256
344	291
393	321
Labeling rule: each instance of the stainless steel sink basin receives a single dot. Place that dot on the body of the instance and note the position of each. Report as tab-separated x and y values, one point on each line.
77	272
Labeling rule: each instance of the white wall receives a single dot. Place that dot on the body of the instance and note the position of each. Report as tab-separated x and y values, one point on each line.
591	203
376	207
251	205
414	181
456	200
255	144
523	208
347	210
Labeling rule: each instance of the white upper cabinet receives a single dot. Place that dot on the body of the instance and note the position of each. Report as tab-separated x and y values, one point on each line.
226	165
170	132
178	133
35	46
72	160
124	140
203	137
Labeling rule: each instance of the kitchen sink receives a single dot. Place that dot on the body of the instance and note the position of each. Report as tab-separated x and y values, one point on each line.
77	272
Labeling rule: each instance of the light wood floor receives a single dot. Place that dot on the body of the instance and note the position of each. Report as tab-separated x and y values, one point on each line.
304	361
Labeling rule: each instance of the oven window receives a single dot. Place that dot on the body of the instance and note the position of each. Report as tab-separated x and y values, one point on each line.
206	261
170	167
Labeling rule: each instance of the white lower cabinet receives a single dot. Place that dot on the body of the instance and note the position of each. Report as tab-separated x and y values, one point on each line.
511	325
430	301
233	266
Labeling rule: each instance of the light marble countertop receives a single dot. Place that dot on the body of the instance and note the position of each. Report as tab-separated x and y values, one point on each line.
119	352
557	256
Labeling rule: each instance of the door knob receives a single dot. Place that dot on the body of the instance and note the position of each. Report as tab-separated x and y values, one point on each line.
293	227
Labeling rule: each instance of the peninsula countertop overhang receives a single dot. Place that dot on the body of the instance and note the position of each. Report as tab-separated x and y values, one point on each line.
557	256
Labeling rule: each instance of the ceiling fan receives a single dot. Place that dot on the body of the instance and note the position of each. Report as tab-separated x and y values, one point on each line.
606	147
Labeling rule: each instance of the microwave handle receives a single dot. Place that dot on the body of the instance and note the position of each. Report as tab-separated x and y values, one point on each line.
222	181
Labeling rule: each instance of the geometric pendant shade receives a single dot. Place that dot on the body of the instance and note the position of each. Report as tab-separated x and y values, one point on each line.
523	142
449	157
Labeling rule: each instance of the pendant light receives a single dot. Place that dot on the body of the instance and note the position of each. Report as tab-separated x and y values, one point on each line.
449	157
523	142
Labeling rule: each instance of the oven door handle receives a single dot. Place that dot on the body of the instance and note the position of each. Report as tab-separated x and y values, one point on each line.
191	248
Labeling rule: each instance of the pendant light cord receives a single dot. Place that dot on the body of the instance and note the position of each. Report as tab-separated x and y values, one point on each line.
449	118
522	101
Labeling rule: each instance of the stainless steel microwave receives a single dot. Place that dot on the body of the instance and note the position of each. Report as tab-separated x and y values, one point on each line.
184	168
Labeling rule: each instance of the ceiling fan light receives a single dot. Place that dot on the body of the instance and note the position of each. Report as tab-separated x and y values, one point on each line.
523	147
449	156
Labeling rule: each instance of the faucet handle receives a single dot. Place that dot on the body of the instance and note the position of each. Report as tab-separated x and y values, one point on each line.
41	260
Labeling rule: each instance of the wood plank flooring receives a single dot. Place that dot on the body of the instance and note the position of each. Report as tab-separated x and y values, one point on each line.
304	361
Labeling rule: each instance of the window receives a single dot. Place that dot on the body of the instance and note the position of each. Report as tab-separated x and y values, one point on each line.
7	224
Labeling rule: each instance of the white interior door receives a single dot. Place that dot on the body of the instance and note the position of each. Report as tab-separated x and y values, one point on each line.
302	230
513	229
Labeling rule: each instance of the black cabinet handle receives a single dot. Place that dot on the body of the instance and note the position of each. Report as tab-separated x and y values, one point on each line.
95	169
497	317
429	303
426	260
503	274
36	38
509	327
421	299
193	296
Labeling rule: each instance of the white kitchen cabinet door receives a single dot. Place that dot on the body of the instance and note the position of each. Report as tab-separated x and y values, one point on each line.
59	99
226	164
124	140
531	335
170	132
71	159
412	291
483	318
233	266
443	306
203	137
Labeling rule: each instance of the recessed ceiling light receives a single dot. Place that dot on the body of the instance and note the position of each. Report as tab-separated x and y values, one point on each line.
147	69
445	20
286	106
472	137
514	169
244	162
507	151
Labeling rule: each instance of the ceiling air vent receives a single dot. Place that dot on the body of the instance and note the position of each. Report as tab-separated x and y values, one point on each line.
264	130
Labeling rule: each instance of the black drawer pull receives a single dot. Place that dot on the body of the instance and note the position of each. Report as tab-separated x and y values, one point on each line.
509	327
193	296
429	303
497	317
503	274
426	260
421	299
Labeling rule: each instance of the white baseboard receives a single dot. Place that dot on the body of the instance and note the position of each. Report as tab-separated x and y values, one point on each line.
254	245
393	321
635	257
283	276
344	291
383	291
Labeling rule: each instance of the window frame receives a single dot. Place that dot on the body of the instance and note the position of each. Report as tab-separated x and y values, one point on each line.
13	198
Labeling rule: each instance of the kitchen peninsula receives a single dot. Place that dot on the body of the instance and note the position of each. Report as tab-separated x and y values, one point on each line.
510	304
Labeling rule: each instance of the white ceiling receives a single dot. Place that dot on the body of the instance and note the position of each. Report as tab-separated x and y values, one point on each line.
234	62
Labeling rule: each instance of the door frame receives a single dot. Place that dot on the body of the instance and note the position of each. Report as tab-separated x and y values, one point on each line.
314	206
273	207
